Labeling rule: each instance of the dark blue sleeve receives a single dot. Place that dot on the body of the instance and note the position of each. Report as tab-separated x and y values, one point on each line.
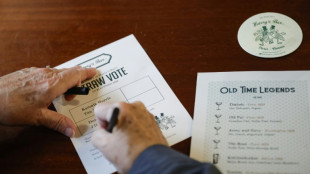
164	160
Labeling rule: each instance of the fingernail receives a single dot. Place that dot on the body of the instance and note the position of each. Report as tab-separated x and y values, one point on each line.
69	132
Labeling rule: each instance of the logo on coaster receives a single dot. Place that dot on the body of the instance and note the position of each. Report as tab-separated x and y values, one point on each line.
269	35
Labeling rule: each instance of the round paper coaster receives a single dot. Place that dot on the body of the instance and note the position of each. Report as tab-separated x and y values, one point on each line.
269	35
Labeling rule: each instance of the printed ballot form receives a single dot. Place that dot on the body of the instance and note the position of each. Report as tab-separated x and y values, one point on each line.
125	73
253	122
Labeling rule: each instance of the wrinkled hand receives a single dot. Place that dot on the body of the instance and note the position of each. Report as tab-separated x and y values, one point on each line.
26	94
135	131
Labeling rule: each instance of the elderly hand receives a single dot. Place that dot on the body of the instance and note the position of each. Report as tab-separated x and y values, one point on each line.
135	131
26	94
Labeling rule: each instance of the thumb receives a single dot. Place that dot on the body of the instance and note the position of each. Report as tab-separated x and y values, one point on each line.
58	122
100	139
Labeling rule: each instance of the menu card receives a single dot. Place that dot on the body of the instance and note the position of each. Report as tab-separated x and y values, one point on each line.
253	122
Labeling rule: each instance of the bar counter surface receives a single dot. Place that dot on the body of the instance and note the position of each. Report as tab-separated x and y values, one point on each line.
181	37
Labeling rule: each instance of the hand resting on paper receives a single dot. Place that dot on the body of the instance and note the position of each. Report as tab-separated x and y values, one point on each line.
26	94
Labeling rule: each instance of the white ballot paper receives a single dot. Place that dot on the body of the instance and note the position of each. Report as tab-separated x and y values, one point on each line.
125	73
253	122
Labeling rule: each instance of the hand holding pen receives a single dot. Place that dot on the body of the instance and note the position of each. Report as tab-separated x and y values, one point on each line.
26	94
125	130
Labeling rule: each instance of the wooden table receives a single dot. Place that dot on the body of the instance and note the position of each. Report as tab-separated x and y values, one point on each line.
181	37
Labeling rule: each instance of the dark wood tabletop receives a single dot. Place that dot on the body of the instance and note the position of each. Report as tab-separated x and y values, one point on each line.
181	37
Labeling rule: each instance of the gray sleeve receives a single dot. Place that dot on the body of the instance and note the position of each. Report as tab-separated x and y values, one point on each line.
164	160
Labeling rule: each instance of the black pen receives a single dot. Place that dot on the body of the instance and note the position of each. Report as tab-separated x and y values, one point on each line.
113	120
77	91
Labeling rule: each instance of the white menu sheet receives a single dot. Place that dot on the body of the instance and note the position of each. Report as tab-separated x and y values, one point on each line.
125	73
253	122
